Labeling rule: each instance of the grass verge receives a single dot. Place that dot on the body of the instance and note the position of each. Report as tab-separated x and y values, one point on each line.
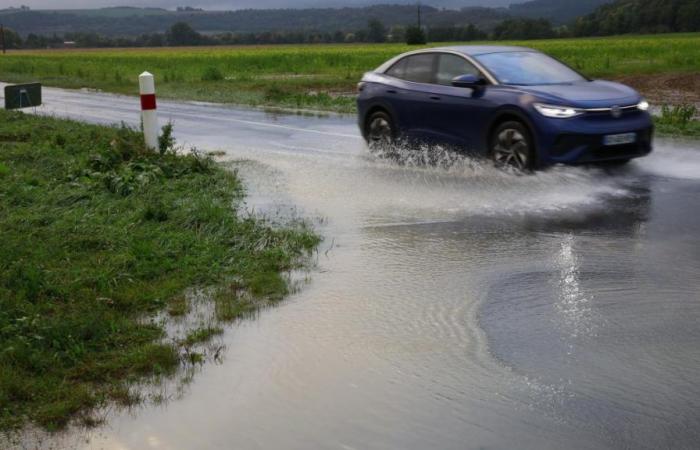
98	236
678	120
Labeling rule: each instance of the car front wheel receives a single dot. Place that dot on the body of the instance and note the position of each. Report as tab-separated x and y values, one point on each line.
512	146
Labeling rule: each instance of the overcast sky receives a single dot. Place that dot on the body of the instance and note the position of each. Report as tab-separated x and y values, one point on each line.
227	5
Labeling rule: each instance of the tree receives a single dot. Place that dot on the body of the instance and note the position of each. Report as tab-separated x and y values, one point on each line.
35	41
183	34
376	32
415	35
12	39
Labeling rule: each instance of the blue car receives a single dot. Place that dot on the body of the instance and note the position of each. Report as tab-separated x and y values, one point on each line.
515	105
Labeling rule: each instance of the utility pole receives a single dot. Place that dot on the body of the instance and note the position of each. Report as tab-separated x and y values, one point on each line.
2	38
419	14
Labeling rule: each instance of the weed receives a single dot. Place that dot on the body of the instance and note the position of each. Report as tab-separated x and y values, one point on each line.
212	74
166	141
679	115
178	306
200	335
678	120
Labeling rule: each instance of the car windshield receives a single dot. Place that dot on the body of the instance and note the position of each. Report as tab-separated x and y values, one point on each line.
528	68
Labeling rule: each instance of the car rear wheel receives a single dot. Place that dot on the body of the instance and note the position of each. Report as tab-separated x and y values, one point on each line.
380	130
511	146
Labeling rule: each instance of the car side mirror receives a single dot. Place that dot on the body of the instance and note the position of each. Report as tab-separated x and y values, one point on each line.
468	81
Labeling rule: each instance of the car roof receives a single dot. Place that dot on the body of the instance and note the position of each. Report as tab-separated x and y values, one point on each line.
475	50
469	51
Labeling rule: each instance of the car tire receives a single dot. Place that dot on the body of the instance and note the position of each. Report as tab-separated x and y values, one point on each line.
511	146
380	131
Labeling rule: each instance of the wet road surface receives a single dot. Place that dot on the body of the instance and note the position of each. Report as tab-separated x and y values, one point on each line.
453	307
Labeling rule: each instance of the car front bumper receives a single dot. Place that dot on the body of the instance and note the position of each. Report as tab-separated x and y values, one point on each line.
582	139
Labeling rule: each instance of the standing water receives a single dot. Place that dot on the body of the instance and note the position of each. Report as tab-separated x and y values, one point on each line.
453	306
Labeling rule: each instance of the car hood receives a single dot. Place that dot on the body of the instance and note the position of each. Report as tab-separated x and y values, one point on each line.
585	94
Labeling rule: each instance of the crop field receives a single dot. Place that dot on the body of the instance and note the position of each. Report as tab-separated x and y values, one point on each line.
321	77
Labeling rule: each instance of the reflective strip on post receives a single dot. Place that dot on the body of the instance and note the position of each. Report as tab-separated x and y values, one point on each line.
149	115
148	102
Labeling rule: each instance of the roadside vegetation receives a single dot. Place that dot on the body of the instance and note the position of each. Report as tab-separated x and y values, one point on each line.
321	77
679	120
101	239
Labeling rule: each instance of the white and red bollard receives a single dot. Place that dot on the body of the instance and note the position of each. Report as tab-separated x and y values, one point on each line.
149	116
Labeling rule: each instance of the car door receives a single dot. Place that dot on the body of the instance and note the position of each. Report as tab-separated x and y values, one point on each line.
457	114
408	94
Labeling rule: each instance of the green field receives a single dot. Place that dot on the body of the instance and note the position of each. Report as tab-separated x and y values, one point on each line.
311	76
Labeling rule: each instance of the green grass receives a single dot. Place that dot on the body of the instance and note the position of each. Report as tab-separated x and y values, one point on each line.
310	76
200	335
678	120
98	236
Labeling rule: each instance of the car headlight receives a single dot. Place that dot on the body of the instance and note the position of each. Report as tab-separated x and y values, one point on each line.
557	112
643	105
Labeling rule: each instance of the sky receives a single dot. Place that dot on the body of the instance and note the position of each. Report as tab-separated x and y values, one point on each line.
232	4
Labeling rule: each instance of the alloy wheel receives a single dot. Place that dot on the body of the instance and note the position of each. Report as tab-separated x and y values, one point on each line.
512	149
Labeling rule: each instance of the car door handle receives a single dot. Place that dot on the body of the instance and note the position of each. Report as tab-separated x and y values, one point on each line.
435	97
391	91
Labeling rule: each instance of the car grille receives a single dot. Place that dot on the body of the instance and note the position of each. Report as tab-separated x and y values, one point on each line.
627	111
592	149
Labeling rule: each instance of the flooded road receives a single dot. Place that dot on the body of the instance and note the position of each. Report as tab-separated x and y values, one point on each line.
454	307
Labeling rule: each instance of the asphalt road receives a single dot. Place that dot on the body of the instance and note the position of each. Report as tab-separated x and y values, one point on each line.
453	307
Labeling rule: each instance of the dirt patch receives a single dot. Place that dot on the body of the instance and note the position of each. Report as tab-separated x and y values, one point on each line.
667	89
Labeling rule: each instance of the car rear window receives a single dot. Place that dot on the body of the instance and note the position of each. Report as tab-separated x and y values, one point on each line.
417	68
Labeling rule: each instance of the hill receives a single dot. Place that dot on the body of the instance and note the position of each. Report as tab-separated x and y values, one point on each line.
125	21
556	11
114	12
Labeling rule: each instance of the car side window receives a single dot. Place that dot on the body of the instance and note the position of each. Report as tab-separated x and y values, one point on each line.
419	68
398	70
451	66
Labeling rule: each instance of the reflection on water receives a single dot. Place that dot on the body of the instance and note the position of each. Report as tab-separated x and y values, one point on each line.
455	306
574	305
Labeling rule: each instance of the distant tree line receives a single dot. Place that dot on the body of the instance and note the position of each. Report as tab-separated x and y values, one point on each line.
116	22
640	16
182	34
622	16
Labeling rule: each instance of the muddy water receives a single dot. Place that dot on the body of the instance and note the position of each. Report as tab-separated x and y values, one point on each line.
452	307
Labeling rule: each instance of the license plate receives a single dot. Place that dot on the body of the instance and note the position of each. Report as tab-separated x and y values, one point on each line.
620	139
